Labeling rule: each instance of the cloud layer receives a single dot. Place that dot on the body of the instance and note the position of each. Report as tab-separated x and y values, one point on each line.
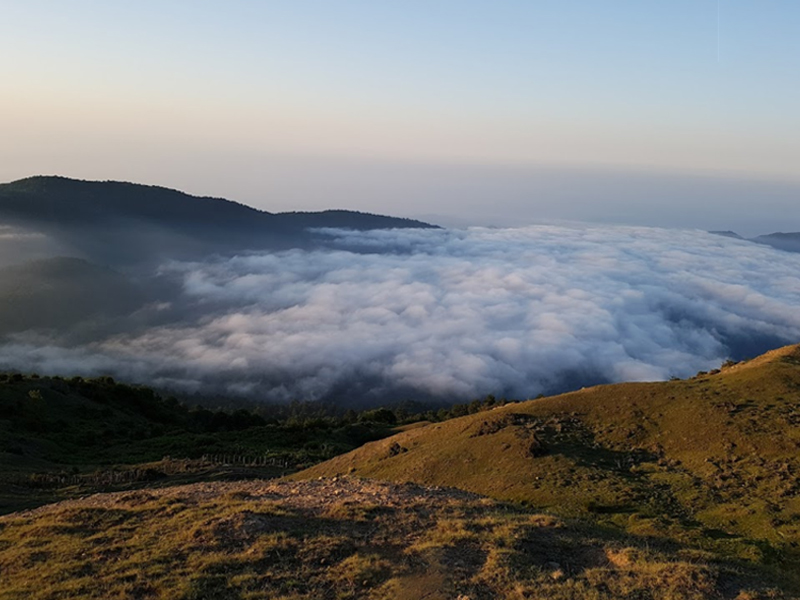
450	314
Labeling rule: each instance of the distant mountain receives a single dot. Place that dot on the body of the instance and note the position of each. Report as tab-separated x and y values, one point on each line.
790	242
783	241
117	221
730	234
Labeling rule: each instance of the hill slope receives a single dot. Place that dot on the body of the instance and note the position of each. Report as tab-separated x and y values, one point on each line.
341	539
713	461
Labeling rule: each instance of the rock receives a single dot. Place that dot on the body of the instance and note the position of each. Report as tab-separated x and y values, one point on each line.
536	449
396	449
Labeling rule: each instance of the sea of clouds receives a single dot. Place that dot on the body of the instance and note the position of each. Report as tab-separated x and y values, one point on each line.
444	314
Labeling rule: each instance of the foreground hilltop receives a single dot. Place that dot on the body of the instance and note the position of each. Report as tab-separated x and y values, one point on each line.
667	491
342	538
713	461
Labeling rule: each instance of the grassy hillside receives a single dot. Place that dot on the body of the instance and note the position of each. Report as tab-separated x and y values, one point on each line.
713	461
664	491
345	539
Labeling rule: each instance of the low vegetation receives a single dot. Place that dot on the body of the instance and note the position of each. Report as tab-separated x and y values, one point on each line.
65	437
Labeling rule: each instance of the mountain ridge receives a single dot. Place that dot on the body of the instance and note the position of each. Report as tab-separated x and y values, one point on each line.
53	188
123	222
789	242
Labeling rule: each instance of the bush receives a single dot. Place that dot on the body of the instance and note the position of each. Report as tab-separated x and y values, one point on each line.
379	415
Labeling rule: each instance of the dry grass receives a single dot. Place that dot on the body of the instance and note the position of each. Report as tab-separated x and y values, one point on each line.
343	539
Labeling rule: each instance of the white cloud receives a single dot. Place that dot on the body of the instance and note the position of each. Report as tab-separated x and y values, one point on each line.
456	314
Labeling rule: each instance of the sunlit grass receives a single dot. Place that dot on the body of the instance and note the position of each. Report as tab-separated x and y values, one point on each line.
712	462
339	539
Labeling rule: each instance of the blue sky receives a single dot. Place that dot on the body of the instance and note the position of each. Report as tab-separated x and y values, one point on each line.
551	109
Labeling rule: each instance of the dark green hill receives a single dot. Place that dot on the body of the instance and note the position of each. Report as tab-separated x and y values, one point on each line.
80	421
60	199
57	434
64	200
112	221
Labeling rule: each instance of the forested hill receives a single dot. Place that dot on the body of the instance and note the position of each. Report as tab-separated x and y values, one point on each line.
128	220
62	199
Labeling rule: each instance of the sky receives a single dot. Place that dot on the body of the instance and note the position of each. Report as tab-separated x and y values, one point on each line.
674	114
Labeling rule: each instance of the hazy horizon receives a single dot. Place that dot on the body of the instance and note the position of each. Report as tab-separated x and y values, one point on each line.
676	115
529	196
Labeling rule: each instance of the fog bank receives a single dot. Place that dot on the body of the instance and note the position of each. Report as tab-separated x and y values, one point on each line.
444	314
